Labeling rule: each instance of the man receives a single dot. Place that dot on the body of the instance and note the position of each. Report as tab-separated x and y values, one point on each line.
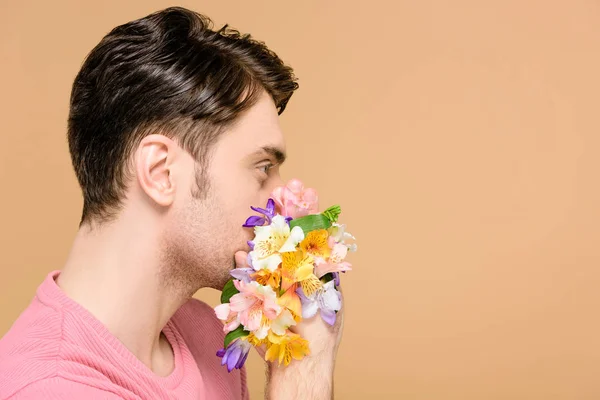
173	132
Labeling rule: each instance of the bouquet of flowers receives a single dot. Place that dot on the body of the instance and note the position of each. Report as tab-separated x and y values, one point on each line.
295	261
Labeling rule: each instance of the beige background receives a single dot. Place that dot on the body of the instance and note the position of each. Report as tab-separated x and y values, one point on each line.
461	138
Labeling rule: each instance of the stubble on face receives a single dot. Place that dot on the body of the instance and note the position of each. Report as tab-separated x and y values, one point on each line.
199	246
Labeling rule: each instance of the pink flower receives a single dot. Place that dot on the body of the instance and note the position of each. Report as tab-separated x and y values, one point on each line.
335	262
249	306
230	318
293	200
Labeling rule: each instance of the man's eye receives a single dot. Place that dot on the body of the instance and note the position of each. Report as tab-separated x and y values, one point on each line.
265	168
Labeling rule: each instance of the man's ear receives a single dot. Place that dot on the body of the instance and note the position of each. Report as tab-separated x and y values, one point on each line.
153	163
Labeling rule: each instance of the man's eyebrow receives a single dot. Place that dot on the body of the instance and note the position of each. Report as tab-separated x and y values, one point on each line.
275	152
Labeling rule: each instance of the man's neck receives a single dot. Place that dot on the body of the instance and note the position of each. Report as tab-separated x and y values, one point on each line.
113	272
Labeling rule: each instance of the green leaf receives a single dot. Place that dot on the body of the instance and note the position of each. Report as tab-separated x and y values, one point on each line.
311	222
332	213
238	333
228	290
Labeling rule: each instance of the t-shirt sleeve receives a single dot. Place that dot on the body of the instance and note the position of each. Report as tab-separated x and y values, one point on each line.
59	388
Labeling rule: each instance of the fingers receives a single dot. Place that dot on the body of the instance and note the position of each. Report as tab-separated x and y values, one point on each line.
241	259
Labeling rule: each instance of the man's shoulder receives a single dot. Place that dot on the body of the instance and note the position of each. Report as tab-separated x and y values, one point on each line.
197	315
200	327
34	334
197	306
28	351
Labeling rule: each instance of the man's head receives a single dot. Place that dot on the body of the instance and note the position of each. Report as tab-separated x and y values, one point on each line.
177	125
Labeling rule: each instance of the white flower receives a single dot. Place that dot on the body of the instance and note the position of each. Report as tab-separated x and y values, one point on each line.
271	240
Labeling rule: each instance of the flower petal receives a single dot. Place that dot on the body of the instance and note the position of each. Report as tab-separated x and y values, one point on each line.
253	320
226	356
234	357
271	207
241	302
309	308
222	311
242	274
291	301
330	300
272	352
253	221
232	325
262	211
328	316
282	322
295	185
245	352
339	252
296	236
271	263
305	269
262	331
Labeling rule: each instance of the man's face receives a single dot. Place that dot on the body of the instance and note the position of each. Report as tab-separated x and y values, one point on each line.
205	232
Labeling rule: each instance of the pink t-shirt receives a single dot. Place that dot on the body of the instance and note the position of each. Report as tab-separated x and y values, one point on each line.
57	350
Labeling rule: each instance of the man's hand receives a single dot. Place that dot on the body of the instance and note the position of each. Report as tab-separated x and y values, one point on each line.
312	377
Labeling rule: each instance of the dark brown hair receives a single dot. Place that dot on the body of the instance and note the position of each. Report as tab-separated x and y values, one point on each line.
168	72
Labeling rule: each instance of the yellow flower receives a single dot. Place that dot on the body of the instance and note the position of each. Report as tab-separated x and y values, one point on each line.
267	277
284	348
292	302
315	243
298	267
254	341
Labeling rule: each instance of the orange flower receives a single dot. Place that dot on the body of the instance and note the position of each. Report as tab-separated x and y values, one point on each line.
316	243
292	302
268	278
299	267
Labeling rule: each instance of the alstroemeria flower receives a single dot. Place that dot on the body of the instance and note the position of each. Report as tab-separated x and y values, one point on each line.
334	263
293	200
235	354
242	274
249	306
272	240
338	234
316	243
291	301
327	299
279	325
284	348
268	214
298	267
267	277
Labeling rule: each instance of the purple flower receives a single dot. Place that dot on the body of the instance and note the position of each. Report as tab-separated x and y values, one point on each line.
235	354
242	274
268	214
327	299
